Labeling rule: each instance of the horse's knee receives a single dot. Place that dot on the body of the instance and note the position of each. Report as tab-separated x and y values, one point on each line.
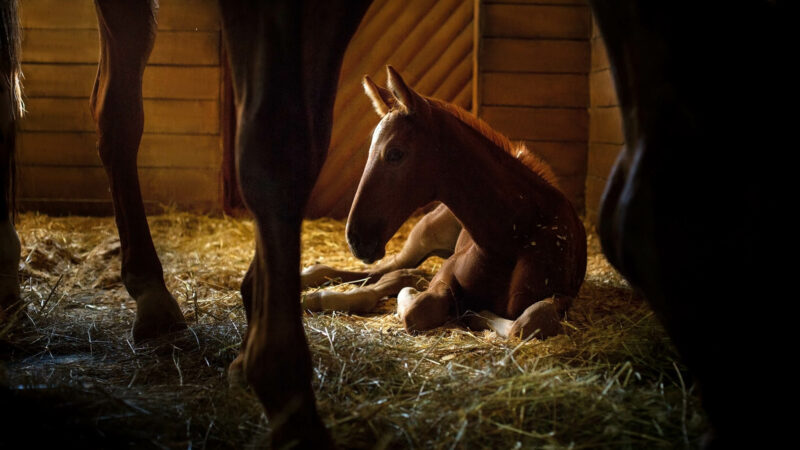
421	311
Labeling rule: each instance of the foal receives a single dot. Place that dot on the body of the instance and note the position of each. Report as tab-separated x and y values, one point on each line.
521	255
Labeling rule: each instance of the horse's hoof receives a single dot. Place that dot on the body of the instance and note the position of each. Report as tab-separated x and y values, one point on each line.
540	320
157	316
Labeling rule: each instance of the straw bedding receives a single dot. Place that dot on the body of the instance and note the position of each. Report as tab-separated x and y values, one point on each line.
72	375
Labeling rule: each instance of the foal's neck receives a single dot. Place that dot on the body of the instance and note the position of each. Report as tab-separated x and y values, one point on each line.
494	195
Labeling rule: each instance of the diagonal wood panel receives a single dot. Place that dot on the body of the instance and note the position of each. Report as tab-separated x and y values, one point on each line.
430	42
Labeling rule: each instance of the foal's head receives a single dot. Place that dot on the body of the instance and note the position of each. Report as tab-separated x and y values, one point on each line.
402	172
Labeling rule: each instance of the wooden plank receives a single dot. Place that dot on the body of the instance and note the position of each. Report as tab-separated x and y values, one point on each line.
599	55
159	184
602	91
536	21
538	124
80	14
95	207
160	82
601	158
594	192
606	126
565	158
541	2
573	187
200	48
547	56
527	89
156	150
161	116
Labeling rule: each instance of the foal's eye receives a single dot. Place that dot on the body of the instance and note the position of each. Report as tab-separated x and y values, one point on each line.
394	155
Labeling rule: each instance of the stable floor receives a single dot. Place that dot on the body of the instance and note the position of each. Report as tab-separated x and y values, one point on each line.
72	376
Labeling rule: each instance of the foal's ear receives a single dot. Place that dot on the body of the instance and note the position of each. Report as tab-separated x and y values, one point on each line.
405	96
382	99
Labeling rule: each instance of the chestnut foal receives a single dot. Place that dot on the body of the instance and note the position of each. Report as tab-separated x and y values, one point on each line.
521	255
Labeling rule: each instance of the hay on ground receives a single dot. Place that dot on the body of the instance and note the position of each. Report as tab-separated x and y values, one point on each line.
72	373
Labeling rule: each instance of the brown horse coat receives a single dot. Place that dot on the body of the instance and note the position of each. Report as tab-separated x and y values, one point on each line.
522	243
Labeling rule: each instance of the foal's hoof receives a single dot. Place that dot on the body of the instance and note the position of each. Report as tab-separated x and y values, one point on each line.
316	276
157	317
540	320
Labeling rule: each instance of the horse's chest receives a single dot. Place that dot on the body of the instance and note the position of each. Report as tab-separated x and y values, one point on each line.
483	277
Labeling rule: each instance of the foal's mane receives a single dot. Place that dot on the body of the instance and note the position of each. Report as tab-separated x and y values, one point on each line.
516	150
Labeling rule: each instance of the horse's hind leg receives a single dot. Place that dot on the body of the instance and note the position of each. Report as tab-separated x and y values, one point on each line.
285	57
127	34
541	320
434	235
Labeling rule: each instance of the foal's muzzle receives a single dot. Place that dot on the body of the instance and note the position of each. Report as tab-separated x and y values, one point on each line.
368	251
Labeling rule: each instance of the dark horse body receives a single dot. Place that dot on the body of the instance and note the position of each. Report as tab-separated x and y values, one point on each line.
687	108
692	209
285	58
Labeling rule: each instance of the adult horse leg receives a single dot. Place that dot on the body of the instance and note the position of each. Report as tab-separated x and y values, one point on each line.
9	241
127	34
434	235
10	108
285	58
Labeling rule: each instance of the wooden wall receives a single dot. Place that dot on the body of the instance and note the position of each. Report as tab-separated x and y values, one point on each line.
430	42
605	132
180	156
532	82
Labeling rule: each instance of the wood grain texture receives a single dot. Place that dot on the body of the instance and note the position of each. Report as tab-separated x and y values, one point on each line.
536	21
602	89
160	82
602	158
541	2
158	184
161	116
180	154
198	48
531	89
430	43
188	15
606	126
568	159
539	124
544	56
156	150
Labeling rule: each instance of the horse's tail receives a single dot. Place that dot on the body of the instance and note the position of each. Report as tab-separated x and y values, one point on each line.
11	83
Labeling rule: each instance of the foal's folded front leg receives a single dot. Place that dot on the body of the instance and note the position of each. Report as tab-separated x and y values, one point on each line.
422	311
363	299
